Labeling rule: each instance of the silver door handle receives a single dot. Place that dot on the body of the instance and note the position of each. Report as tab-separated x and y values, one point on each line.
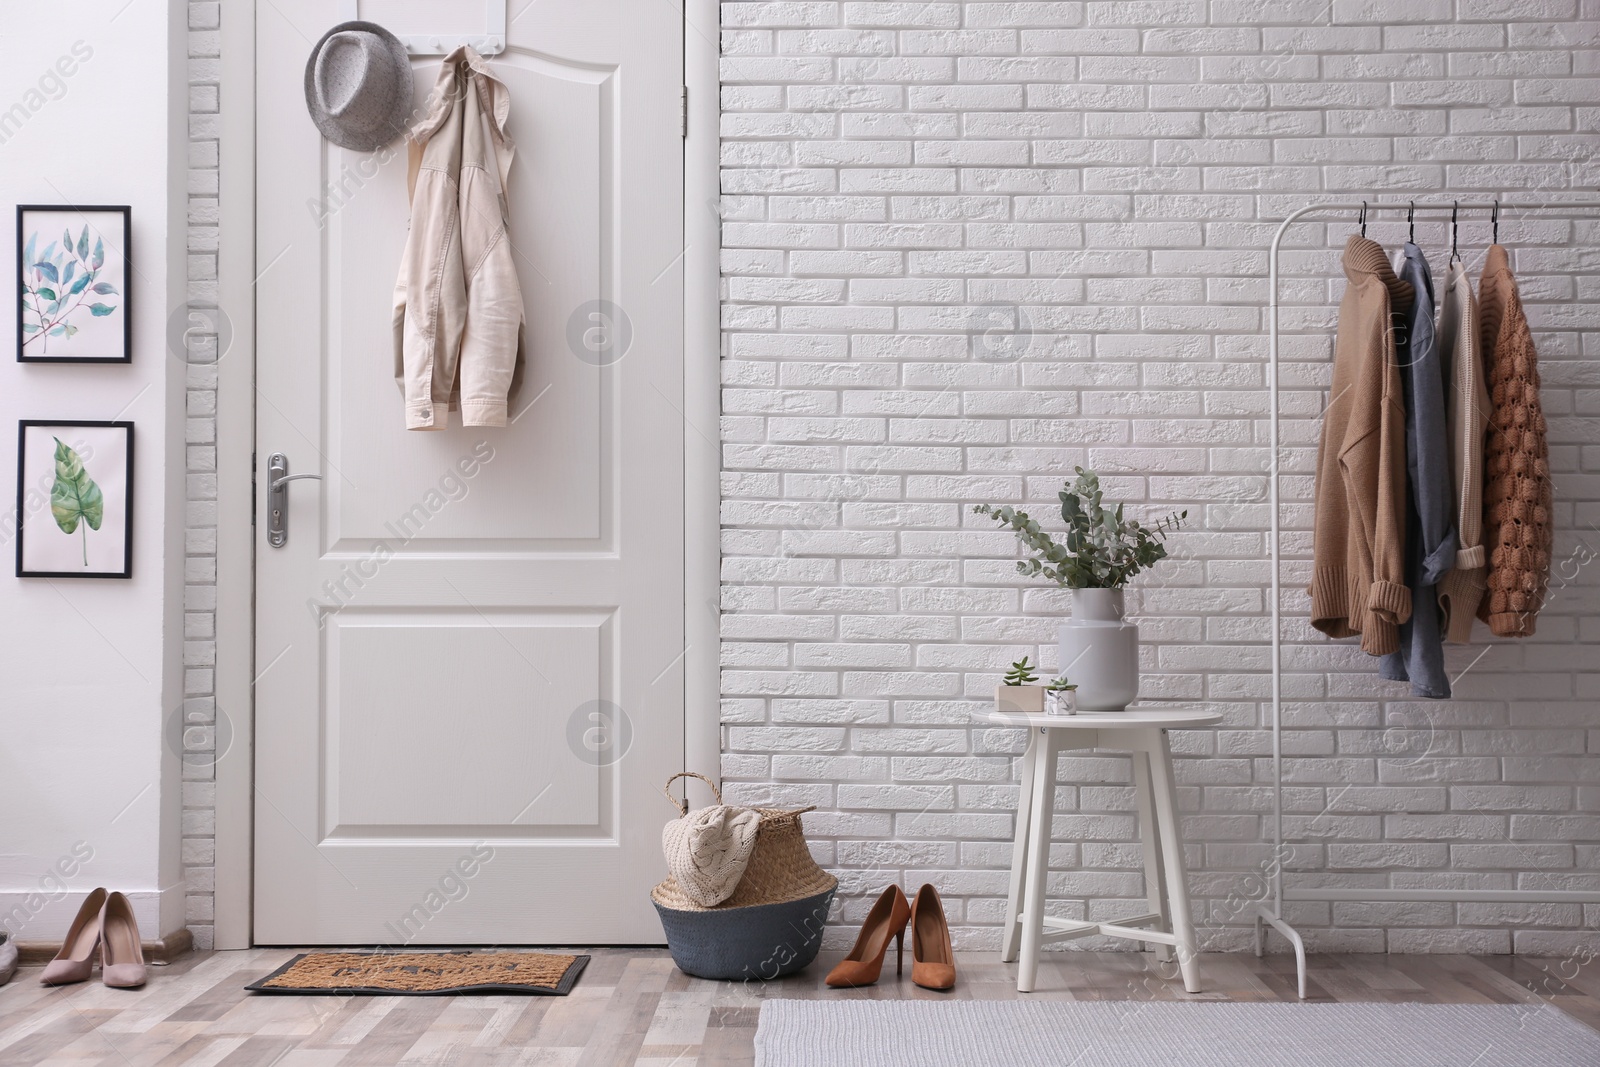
278	479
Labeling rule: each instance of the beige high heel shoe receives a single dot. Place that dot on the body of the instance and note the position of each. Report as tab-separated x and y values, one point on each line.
75	961
121	955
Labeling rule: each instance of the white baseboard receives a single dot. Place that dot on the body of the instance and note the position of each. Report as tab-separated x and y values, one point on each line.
37	915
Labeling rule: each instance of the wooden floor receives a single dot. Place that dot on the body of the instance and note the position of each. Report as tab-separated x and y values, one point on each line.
634	1007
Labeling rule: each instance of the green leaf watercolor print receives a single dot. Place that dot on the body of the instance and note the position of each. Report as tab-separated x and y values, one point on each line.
58	284
75	499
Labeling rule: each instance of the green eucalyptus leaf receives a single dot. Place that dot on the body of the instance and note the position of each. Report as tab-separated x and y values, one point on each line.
100	311
83	243
105	288
29	327
99	253
27	249
48	270
47	293
80	285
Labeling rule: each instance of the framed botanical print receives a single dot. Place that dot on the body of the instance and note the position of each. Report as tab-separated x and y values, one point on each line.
74	499
73	282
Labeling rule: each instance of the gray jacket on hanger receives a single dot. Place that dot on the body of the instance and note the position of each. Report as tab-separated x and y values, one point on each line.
1430	500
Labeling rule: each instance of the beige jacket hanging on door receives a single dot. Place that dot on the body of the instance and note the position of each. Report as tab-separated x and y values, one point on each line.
457	305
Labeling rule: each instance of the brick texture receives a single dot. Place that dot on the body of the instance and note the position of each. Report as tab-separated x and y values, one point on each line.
970	245
196	339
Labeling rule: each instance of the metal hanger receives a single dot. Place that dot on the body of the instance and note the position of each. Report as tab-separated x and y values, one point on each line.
1455	208
1494	220
1363	218
1411	220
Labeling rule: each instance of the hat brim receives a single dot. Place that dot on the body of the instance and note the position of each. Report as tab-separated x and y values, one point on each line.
393	125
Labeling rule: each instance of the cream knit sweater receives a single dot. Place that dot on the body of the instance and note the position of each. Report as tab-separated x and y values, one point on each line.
1461	590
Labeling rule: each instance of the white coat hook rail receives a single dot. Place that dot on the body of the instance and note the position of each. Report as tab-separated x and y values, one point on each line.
491	42
1271	912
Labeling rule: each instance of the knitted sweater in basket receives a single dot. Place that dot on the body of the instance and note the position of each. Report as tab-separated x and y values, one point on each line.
1517	501
1358	548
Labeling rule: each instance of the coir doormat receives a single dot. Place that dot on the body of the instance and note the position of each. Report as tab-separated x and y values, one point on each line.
424	973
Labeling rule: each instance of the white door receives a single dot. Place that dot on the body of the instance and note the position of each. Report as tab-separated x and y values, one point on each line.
469	647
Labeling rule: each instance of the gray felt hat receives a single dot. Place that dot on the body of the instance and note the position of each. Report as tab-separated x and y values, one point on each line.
358	86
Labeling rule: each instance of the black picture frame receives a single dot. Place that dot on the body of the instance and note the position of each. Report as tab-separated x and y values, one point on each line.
28	510
124	250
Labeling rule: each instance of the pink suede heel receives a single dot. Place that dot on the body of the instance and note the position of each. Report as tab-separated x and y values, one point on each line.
75	961
121	954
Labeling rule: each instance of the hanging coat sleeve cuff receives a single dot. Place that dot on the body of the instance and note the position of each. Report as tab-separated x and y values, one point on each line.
1389	601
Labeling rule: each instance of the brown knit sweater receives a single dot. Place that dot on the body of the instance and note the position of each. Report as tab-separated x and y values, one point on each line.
1358	580
1516	499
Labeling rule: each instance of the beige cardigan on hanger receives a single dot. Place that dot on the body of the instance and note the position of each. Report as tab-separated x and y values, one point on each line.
1358	578
1461	590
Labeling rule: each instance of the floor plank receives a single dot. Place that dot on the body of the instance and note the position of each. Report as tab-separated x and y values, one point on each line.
632	1006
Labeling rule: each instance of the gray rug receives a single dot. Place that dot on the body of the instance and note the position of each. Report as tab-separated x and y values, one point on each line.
1010	1033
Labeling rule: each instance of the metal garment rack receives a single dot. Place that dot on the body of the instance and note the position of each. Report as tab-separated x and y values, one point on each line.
1272	913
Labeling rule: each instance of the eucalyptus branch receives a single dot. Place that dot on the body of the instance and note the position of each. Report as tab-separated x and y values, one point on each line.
1102	549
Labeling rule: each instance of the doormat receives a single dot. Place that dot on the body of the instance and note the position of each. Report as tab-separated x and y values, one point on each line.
424	974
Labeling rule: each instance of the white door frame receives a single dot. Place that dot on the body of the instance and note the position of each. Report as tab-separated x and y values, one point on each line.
235	668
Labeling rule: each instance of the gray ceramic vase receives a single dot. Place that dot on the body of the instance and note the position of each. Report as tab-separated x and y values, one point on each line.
1100	651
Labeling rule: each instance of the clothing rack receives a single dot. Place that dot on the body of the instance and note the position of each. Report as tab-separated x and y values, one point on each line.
1272	913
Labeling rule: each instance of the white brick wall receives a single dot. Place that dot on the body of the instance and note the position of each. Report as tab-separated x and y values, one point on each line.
200	570
972	244
969	245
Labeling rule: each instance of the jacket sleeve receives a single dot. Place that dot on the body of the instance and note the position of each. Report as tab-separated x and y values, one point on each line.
1389	599
1434	491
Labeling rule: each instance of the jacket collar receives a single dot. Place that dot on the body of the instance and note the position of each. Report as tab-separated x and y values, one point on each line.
1365	258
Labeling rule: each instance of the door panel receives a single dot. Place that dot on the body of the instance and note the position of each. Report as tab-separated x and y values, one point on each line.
470	646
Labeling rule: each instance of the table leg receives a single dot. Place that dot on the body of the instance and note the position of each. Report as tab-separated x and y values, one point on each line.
1039	820
1155	885
1164	793
1019	854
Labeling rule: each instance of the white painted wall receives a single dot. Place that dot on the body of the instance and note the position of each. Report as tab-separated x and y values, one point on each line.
90	670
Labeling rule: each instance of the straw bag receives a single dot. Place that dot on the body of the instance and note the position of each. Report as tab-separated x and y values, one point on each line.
771	925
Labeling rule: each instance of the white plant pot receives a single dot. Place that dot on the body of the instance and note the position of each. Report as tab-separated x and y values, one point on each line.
1100	651
1060	702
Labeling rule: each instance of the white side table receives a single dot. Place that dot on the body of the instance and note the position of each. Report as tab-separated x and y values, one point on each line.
1142	732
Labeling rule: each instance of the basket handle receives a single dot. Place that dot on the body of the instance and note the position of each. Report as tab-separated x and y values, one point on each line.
683	808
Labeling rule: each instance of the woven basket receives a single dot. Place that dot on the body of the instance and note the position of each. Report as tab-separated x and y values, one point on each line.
771	925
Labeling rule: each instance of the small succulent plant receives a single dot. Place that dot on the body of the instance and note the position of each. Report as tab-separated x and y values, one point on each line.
1061	685
1021	673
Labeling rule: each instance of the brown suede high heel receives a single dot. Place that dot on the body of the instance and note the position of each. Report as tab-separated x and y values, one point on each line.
933	962
886	920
